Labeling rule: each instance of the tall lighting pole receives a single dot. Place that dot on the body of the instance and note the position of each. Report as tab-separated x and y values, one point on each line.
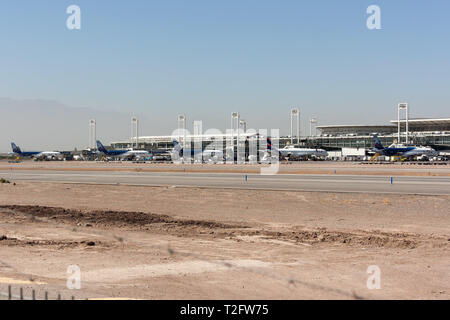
312	121
134	131
403	106
295	112
92	134
235	121
243	125
182	125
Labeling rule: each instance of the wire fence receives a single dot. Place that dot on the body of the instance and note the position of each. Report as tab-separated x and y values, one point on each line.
22	293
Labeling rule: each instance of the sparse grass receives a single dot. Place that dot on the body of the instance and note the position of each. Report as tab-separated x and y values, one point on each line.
4	180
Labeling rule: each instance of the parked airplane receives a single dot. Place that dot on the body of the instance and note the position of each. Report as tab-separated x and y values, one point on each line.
123	154
402	150
47	155
199	155
294	153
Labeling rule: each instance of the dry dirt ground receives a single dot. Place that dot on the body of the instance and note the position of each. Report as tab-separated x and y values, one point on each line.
187	243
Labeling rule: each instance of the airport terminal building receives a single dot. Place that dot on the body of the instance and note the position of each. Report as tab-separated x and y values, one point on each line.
429	132
344	140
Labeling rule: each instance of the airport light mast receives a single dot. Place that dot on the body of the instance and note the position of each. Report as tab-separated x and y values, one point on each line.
243	124
403	106
295	112
182	120
235	120
312	121
134	131
92	134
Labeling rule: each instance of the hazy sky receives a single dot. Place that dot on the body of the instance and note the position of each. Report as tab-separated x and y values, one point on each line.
209	58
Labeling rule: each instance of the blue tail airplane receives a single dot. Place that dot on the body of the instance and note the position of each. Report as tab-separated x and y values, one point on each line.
136	154
35	154
401	149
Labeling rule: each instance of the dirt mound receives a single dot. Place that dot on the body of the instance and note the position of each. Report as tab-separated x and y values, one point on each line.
111	218
8	241
368	239
357	238
157	223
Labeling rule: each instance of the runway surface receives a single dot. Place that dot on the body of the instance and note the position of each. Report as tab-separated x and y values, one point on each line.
327	183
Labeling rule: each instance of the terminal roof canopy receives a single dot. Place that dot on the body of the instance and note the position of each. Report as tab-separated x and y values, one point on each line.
417	125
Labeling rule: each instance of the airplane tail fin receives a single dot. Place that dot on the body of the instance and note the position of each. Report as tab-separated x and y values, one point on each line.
377	142
100	147
176	145
177	148
270	146
15	148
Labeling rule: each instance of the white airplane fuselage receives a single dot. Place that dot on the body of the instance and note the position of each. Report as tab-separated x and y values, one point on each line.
293	152
136	154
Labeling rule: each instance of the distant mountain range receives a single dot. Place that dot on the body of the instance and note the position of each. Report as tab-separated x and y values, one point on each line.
51	125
